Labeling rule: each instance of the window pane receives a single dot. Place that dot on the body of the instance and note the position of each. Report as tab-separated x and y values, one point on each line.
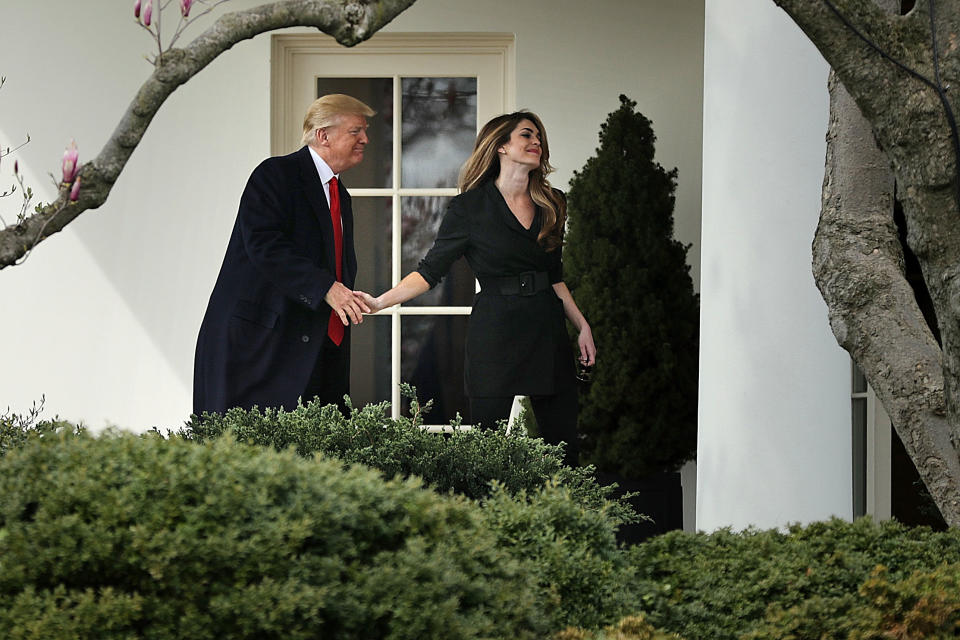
859	407
859	380
421	217
431	359
376	170
372	229
439	125
370	360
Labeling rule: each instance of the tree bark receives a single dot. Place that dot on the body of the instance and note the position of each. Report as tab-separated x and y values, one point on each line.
349	21
858	263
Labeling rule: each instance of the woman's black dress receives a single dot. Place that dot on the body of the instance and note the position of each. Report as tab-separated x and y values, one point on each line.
517	341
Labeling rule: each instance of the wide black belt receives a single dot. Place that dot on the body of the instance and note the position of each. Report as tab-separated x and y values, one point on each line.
527	283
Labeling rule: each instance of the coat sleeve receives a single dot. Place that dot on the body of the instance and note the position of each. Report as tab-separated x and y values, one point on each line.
451	243
266	226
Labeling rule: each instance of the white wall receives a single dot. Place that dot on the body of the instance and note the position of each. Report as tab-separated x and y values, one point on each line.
102	318
774	431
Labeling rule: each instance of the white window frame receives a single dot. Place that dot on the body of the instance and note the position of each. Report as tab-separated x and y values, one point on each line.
878	452
489	57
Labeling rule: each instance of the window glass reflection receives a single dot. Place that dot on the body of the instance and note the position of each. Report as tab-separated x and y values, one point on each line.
431	359
376	170
420	220
370	361
439	125
372	232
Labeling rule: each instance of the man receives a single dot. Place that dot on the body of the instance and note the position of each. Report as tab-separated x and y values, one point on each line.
277	324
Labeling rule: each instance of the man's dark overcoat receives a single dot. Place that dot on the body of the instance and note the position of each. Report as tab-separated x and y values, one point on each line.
266	319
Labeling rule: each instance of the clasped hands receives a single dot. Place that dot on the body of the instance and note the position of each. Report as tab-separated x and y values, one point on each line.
350	305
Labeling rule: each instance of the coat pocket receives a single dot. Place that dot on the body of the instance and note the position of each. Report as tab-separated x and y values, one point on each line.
254	313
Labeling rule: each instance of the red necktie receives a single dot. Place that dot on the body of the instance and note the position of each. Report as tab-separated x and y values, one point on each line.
335	326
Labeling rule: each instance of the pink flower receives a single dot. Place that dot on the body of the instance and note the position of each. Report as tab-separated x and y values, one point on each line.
69	164
136	9
148	12
185	7
75	190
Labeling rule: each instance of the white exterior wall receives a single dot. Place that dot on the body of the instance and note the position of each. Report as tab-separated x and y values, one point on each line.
102	318
775	434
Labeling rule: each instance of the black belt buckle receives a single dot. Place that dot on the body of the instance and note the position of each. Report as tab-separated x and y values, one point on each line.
528	283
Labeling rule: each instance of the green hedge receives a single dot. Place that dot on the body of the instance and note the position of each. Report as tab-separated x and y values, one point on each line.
556	519
465	461
138	537
807	582
629	628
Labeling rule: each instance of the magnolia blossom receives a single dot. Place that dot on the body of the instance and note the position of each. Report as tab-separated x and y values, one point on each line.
75	190
69	164
136	9
185	7
16	166
148	12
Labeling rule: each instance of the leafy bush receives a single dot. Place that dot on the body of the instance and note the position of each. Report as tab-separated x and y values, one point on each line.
464	461
802	583
17	429
127	536
630	628
572	553
555	519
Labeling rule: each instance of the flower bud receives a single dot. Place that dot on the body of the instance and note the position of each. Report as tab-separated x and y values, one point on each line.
136	9
148	12
185	7
69	164
16	167
75	191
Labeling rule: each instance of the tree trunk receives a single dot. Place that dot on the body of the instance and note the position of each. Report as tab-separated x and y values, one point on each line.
858	266
858	263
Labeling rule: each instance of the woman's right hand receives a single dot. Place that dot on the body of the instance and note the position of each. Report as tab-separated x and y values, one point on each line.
374	303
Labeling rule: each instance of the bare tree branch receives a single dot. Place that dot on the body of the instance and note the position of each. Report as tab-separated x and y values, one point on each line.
349	21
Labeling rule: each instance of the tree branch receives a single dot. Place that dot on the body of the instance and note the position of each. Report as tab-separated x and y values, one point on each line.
832	26
349	21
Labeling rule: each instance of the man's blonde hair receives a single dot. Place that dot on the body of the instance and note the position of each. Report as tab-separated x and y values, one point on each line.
326	110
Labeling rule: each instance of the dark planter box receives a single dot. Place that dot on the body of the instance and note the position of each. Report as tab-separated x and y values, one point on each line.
660	496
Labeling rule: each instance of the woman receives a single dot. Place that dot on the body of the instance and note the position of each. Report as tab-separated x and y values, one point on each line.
509	222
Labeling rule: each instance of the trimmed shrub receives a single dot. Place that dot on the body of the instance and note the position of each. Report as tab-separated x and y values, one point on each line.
555	519
140	537
572	553
803	583
639	415
925	605
630	628
17	429
465	461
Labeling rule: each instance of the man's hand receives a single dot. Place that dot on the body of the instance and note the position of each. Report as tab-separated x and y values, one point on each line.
348	305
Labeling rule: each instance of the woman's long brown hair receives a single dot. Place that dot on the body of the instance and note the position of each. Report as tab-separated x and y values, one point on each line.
484	164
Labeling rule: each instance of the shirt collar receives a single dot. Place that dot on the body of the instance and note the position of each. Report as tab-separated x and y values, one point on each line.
323	169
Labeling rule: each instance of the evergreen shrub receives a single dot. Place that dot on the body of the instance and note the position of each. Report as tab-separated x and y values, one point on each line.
571	550
816	581
629	628
557	520
139	537
464	461
17	429
631	279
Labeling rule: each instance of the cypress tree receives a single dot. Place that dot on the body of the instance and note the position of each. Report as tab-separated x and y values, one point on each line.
631	279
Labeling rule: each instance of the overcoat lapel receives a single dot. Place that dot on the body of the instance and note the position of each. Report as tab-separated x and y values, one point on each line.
313	188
